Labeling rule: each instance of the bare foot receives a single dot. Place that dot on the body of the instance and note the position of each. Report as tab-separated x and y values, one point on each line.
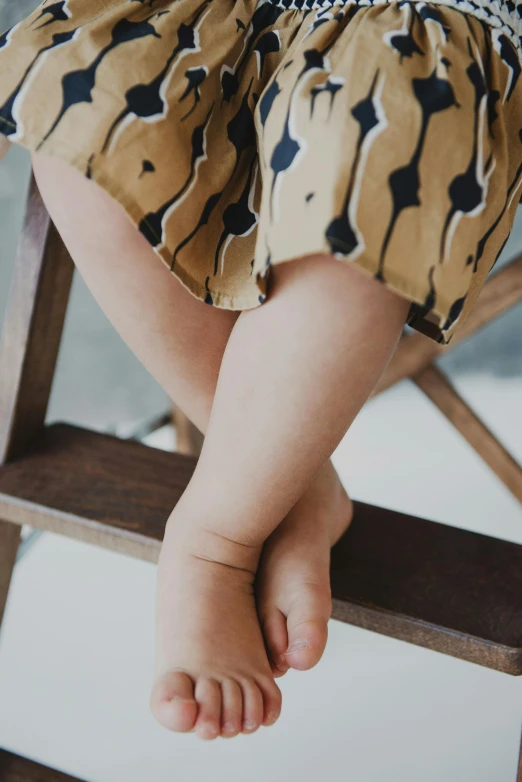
212	671
293	584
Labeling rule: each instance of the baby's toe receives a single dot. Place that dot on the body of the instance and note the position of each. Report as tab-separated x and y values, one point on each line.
253	708
271	699
232	708
307	624
273	624
208	697
172	702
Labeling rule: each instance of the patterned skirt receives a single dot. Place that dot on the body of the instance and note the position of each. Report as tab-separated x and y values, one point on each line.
239	134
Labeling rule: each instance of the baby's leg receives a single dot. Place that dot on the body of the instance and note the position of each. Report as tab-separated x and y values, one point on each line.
181	341
178	338
295	373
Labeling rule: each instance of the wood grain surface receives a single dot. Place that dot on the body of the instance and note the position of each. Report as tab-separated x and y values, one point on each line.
14	768
443	588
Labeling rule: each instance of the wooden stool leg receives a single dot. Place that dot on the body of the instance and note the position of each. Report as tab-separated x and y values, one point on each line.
29	346
438	388
9	539
32	328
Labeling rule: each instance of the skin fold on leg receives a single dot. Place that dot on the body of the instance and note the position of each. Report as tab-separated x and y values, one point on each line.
327	333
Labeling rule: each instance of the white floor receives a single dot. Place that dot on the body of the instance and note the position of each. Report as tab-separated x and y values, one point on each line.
76	651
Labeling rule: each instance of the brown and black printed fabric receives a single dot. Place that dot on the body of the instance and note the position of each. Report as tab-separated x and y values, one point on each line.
238	134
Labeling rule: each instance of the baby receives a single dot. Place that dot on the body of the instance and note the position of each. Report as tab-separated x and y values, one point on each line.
313	176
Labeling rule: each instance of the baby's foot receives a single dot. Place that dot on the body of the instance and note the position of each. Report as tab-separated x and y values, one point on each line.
212	671
293	584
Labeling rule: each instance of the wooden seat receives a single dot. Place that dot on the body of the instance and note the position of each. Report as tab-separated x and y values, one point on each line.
427	583
446	589
16	769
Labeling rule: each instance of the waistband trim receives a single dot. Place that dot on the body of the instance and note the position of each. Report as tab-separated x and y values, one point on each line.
504	16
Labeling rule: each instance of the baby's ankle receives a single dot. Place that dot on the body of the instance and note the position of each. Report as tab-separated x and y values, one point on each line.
203	539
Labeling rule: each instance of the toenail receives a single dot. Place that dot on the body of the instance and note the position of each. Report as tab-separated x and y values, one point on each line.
250	725
272	716
297	646
211	729
229	727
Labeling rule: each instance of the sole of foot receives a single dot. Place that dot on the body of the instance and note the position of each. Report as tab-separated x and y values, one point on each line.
293	583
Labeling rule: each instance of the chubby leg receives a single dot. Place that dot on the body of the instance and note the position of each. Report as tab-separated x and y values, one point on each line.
181	341
294	601
166	327
178	338
294	375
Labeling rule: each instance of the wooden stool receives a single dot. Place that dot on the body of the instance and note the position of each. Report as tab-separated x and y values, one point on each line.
432	585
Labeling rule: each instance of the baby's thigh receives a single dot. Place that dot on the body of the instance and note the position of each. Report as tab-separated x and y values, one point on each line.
178	337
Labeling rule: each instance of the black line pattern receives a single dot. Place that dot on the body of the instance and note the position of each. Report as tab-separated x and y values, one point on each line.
238	133
7	108
146	101
77	86
504	15
57	12
342	233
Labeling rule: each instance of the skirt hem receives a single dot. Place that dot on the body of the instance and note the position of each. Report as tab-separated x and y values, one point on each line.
136	215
